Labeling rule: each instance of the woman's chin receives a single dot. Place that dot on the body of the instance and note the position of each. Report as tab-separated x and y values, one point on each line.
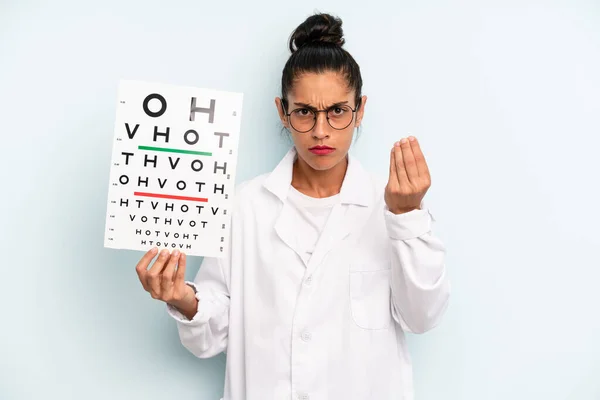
323	163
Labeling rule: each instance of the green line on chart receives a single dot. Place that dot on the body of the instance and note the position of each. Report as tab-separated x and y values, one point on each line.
200	153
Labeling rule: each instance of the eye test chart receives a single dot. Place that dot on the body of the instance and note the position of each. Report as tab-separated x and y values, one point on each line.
173	168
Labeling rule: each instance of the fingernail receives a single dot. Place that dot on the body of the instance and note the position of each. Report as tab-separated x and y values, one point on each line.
397	144
153	250
404	140
176	253
411	138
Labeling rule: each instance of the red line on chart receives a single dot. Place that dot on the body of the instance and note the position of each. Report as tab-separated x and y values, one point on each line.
168	196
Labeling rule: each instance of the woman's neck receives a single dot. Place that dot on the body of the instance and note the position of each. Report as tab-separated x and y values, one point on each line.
316	183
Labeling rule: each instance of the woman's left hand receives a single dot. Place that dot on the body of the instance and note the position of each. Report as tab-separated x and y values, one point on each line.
409	177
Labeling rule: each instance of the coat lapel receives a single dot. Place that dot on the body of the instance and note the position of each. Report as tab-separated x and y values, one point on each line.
284	227
278	182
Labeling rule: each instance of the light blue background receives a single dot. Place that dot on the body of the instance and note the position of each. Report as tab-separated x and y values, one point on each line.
504	97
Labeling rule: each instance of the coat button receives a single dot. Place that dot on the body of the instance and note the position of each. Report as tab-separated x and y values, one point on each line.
308	281
306	336
303	396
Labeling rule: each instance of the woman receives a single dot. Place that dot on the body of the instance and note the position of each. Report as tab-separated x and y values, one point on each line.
328	267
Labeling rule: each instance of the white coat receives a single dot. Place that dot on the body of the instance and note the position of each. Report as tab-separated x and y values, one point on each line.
330	329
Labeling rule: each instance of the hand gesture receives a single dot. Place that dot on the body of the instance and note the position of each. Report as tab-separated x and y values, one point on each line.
409	177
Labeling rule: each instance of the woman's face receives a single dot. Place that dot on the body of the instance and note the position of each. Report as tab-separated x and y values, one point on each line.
313	91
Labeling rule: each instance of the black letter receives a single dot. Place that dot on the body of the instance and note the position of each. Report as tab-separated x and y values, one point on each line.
163	105
126	157
140	180
173	166
165	134
220	189
149	161
129	133
197	169
191	131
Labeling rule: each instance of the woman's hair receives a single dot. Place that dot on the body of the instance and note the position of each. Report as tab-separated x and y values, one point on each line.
316	46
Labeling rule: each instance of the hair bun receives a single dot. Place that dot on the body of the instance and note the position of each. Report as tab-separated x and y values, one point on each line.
318	28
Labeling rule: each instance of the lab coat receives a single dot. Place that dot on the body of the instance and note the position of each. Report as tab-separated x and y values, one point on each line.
329	329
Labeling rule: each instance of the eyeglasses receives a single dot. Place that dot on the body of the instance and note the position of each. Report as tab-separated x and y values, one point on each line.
304	119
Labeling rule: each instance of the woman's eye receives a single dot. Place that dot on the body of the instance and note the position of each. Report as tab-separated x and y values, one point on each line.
303	112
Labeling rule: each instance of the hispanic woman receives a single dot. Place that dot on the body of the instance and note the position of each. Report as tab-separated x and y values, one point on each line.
329	266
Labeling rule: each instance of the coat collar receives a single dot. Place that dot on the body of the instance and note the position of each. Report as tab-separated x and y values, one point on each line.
356	187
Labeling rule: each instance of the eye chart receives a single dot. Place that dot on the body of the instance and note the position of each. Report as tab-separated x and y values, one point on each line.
173	168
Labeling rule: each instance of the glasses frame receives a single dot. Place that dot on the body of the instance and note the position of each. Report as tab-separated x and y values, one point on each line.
326	111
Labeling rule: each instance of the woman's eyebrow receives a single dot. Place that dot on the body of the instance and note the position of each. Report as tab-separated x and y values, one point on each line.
305	105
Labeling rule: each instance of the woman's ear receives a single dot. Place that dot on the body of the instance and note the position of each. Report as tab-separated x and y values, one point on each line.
281	112
361	110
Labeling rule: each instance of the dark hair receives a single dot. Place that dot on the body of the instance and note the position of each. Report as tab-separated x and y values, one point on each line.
316	46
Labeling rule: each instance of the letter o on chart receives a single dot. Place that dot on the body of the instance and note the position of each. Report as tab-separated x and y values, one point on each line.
163	105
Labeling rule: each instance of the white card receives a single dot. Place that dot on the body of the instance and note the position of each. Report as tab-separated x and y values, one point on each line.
172	173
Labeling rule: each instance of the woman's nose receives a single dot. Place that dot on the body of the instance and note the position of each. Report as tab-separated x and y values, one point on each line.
321	128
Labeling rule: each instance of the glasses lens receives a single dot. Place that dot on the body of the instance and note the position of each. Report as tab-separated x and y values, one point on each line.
302	119
340	117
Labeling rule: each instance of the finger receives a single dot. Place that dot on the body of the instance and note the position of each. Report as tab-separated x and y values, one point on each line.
420	159
153	275
180	274
409	161
393	176
166	281
142	266
400	169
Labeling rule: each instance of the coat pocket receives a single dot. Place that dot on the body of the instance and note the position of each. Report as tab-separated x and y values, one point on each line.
370	293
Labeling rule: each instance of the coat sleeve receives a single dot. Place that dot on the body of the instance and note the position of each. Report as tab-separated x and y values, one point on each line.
420	287
205	335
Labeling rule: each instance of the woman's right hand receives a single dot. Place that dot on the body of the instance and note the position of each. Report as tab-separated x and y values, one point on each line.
165	282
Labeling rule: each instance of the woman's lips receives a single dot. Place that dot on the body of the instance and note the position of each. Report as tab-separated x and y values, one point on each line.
321	150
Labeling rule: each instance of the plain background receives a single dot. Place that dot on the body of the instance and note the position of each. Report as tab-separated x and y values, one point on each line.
504	97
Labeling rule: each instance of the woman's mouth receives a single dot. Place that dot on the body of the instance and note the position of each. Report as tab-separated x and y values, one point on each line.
321	150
